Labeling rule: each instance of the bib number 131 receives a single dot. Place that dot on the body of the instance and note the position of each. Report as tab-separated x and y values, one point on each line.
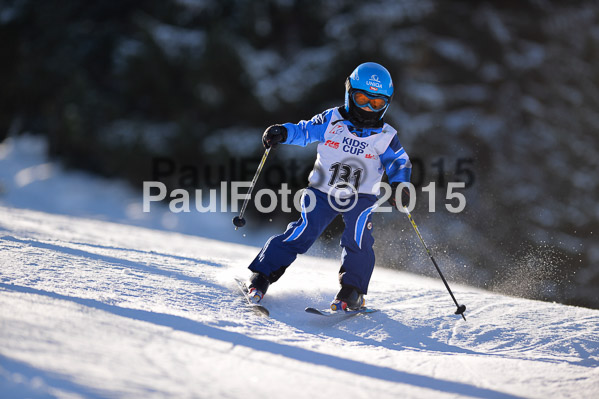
343	174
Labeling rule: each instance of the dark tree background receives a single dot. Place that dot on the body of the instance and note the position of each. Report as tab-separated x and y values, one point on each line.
502	95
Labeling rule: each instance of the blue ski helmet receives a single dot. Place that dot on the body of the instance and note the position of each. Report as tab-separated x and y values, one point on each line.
375	81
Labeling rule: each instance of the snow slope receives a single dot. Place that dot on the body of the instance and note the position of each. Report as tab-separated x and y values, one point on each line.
30	179
96	309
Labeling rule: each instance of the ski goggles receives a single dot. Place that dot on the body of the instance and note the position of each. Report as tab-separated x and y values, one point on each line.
376	104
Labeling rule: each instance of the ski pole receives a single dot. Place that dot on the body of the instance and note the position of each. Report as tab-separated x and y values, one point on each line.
239	221
461	308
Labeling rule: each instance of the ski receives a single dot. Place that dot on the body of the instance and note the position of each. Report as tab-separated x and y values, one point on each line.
254	306
330	313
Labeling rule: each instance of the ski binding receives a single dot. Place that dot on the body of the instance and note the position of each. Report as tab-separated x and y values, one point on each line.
256	307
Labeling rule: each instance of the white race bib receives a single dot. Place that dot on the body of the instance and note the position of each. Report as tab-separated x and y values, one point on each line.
346	162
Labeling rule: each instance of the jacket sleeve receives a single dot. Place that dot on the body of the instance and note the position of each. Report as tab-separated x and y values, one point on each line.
397	163
306	132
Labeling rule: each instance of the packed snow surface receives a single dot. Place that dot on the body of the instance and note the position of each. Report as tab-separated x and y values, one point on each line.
96	309
30	179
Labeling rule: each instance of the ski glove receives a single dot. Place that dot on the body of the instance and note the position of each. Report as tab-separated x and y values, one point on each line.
404	197
274	135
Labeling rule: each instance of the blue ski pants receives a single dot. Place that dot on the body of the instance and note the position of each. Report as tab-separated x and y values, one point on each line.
357	258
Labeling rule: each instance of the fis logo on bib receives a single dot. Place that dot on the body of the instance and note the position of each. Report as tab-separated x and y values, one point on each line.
353	146
332	144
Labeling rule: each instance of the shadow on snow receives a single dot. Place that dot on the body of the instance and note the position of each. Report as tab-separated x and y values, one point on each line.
291	352
115	261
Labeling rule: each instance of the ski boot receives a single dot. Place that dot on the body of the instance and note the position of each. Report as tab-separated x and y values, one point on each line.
258	286
255	295
348	298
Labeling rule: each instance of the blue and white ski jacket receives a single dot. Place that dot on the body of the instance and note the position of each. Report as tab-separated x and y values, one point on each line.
350	158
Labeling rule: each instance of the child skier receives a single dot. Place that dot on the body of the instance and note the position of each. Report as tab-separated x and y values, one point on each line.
355	148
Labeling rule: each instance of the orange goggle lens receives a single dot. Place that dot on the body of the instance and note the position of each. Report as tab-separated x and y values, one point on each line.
375	103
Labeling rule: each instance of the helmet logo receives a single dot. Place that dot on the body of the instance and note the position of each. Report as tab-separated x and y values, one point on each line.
374	83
